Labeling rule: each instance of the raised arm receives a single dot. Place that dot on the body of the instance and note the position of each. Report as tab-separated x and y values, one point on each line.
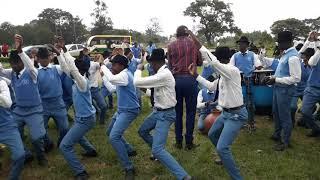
111	88
120	79
28	64
157	80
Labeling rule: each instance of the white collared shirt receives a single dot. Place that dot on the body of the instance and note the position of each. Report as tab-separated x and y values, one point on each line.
294	70
314	60
200	103
230	90
5	98
164	87
94	72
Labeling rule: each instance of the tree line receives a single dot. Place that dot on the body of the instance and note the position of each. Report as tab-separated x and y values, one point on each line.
212	18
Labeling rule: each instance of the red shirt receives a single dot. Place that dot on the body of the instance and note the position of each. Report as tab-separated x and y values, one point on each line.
5	48
181	53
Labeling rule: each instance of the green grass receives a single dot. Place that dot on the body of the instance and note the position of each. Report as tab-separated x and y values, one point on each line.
300	162
252	151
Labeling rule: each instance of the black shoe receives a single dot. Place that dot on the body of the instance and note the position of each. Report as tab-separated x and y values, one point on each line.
82	176
152	158
130	174
281	147
178	145
275	138
43	162
92	153
192	146
28	159
48	148
188	178
132	153
218	161
313	134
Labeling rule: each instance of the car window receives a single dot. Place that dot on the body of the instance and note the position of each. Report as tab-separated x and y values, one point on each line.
80	47
72	48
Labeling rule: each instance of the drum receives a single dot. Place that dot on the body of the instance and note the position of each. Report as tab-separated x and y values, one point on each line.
262	93
210	119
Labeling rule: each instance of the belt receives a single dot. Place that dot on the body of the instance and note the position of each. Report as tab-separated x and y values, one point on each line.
168	109
233	109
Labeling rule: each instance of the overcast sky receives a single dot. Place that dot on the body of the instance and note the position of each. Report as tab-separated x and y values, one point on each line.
249	15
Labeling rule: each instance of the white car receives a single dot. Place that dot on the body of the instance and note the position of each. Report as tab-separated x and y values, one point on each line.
74	49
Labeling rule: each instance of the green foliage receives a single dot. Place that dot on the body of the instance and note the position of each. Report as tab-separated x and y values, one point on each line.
215	18
102	23
4	60
313	24
296	26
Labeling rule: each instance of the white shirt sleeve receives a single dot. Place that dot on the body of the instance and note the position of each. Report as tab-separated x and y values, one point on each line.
267	62
232	61
5	72
206	63
224	70
257	62
5	98
212	86
157	80
304	47
111	88
120	79
29	65
80	80
295	72
200	104
314	60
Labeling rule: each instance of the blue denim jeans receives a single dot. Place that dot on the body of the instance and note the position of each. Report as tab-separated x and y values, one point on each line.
76	135
11	138
160	122
186	89
105	93
100	102
310	99
282	97
120	122
60	118
35	124
222	134
202	117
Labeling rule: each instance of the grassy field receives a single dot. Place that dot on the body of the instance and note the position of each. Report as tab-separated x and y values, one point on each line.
253	153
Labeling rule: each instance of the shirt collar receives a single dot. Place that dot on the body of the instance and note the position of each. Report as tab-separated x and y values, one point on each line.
48	67
21	72
244	52
162	68
285	51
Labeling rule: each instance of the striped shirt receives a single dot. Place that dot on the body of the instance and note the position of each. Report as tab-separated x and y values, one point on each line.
181	53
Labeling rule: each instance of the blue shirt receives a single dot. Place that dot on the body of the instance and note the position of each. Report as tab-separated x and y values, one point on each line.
136	51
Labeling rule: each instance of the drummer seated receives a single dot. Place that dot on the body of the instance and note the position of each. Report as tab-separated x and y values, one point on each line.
206	103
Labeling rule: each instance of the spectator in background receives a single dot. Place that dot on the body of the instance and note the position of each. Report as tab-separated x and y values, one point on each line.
151	47
136	50
5	50
0	50
181	53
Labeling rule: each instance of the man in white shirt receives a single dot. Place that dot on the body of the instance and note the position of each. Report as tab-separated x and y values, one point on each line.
99	100
205	104
234	114
164	113
287	75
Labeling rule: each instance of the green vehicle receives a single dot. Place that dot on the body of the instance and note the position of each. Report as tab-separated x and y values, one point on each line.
100	43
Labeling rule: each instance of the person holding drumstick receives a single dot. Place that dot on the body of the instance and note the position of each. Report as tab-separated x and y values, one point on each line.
234	114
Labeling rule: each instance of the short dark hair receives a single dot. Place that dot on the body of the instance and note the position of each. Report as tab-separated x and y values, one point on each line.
43	53
106	54
299	46
14	57
181	31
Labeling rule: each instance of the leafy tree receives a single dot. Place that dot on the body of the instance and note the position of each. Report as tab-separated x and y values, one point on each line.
215	18
313	24
297	27
7	31
102	23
